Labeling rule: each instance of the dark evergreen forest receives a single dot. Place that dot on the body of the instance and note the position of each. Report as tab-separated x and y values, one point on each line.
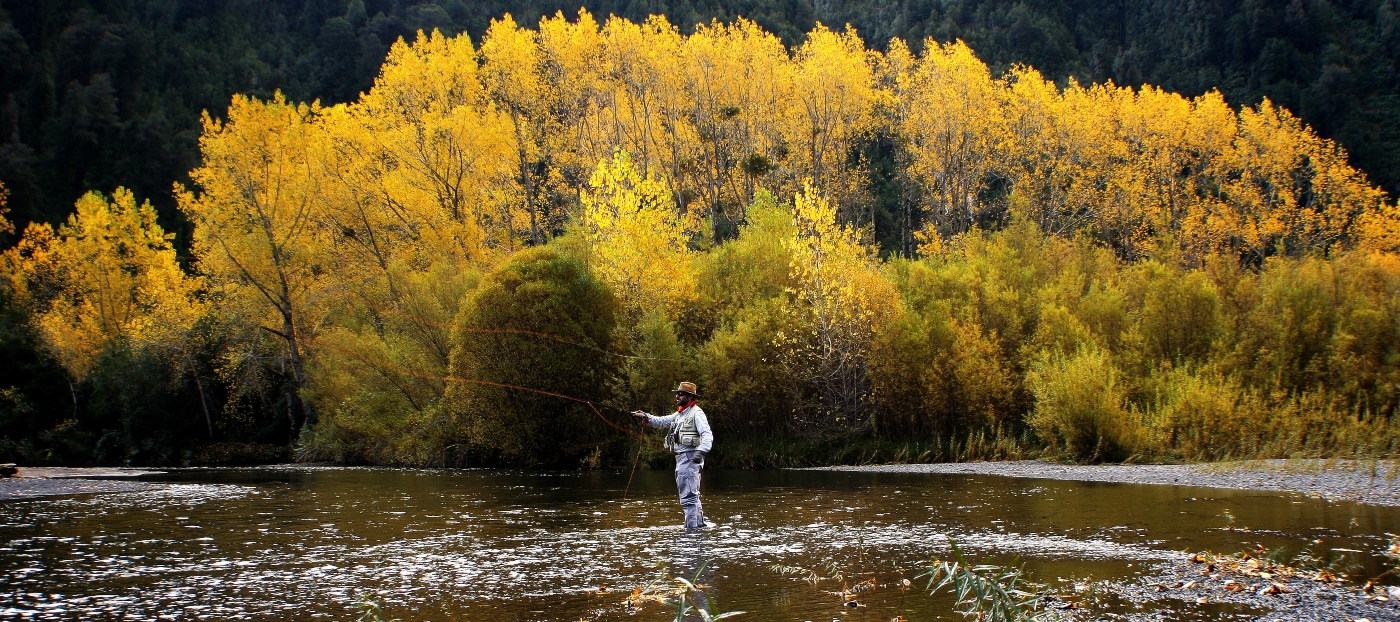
97	94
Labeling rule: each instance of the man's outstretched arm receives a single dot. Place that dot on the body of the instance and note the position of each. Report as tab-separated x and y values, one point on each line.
655	421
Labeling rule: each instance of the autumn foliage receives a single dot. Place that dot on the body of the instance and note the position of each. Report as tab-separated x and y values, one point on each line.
1100	271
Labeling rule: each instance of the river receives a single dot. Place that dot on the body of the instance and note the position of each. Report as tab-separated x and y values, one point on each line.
303	543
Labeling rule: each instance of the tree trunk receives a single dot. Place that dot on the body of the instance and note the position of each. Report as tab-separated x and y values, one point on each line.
298	374
291	415
204	404
527	183
73	391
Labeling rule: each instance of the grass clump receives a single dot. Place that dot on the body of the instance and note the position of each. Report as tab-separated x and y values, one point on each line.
370	610
684	596
986	591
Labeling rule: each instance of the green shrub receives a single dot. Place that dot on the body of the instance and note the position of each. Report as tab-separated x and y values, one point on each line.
1179	317
912	382
1201	415
660	361
742	386
542	292
1080	406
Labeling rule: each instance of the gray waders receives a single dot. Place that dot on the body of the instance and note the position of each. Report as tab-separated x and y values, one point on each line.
688	465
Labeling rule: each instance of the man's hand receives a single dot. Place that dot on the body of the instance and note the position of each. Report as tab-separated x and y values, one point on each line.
639	414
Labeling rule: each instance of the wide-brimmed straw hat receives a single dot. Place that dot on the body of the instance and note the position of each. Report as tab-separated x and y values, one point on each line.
686	387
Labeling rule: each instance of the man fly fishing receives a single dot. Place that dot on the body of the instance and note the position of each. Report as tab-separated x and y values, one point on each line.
690	439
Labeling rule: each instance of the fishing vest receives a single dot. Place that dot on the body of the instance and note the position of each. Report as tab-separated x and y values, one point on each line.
684	433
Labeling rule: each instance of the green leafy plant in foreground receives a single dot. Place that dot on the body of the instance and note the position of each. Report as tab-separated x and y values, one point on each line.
853	580
682	594
369	610
684	601
986	591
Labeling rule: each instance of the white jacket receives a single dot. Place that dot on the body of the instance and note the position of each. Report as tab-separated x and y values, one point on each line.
702	425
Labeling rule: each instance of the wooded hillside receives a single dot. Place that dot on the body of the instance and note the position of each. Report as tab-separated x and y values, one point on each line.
98	94
903	248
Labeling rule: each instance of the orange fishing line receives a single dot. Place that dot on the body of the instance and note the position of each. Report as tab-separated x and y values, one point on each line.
622	507
417	374
503	385
563	340
516	331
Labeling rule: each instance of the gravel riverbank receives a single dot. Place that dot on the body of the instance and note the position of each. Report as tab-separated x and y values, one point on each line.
1219	594
48	481
1372	482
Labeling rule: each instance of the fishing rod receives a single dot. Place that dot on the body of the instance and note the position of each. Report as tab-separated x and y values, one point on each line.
642	438
592	405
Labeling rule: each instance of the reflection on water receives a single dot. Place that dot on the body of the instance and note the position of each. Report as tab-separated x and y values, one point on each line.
304	544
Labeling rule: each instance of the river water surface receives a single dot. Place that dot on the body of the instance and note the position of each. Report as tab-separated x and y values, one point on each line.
306	543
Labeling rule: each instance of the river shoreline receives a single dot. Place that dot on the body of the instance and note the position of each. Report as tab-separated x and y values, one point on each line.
33	482
1188	581
1370	482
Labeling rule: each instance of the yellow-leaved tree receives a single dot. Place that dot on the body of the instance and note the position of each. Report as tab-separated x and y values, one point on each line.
837	305
421	189
638	245
570	70
1135	168
512	73
953	122
738	81
637	240
1284	186
256	234
106	278
834	97
6	227
1379	229
439	153
645	110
